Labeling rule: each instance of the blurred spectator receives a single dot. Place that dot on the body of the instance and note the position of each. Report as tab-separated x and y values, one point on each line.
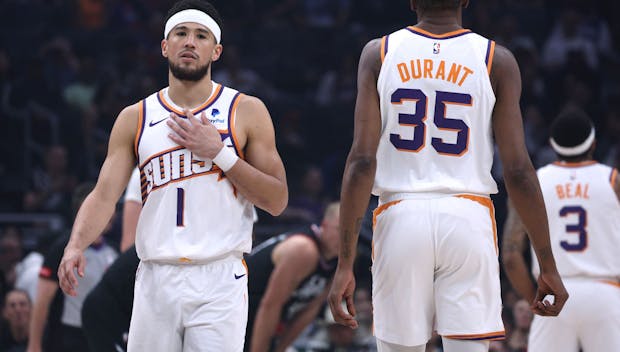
10	255
324	13
306	203
27	270
80	93
16	319
60	65
244	79
566	41
517	341
508	34
338	86
52	184
56	318
91	14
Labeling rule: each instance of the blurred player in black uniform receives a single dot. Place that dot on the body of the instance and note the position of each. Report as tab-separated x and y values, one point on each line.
289	280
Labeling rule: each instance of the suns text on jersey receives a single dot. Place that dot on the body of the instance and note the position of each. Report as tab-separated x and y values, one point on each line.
171	166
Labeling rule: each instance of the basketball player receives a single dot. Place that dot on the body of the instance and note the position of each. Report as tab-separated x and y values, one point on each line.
206	153
430	99
289	282
582	198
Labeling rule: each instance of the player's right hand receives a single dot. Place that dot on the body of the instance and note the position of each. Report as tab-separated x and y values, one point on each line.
343	287
73	258
549	284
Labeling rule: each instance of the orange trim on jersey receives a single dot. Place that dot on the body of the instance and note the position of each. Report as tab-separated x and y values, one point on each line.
245	265
612	178
136	139
212	98
443	35
491	54
577	164
380	209
210	172
488	203
497	335
148	160
610	282
233	130
185	260
383	40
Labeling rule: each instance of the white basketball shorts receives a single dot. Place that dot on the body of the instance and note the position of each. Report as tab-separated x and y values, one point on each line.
590	319
189	307
435	262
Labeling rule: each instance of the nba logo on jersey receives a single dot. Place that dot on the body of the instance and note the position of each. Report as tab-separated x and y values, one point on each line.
436	47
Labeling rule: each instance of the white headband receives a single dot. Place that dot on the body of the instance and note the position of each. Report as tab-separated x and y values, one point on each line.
576	150
195	16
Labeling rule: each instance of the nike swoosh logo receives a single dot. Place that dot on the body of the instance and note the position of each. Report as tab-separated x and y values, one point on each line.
151	124
239	276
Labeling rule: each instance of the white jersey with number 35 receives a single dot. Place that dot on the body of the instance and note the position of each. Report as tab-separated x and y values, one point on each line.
436	103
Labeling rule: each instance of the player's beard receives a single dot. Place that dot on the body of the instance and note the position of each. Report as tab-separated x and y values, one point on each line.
187	74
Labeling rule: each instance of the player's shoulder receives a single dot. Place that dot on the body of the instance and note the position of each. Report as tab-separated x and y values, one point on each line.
301	244
503	59
373	47
251	103
132	110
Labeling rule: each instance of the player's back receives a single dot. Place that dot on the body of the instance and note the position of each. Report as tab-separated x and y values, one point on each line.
584	218
436	102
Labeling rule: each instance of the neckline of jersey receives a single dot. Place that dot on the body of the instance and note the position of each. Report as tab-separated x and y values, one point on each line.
447	35
168	104
575	164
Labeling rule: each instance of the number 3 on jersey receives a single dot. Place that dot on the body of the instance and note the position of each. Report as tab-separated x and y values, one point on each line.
579	228
440	120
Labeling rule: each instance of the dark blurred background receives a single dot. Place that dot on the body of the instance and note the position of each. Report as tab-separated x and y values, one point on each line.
68	67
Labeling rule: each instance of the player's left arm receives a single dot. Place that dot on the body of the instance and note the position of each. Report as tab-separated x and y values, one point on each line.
301	321
359	174
514	242
261	177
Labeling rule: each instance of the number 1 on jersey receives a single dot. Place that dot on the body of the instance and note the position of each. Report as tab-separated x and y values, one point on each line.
180	206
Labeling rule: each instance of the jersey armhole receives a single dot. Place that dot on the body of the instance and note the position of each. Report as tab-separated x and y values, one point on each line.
140	129
489	56
384	47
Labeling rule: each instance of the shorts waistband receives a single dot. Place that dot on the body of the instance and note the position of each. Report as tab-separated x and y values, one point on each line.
391	197
228	257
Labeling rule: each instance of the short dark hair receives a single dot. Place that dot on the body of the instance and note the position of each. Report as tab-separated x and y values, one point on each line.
425	5
199	5
571	128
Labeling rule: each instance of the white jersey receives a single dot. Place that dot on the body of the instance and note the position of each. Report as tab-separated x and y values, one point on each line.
584	219
190	212
436	103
